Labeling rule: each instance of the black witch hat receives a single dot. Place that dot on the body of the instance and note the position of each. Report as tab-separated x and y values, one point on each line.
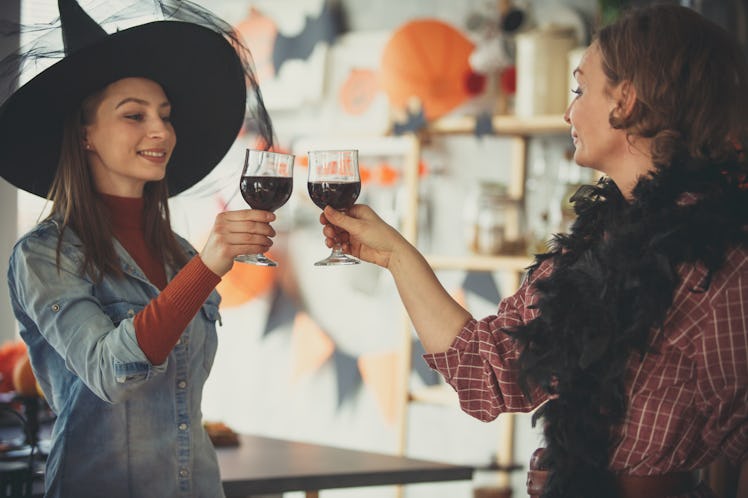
199	68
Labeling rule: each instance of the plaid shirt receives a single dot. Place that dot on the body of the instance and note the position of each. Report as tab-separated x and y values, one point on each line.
687	404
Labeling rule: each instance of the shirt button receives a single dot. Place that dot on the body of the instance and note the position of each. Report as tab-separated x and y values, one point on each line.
184	473
182	384
182	427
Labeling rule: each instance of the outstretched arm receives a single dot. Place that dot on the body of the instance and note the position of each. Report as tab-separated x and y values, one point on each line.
436	316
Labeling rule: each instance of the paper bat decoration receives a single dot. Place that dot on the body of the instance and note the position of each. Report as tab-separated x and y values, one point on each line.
414	121
484	125
323	28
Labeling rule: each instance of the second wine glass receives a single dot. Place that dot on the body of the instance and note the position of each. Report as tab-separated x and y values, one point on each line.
334	181
266	184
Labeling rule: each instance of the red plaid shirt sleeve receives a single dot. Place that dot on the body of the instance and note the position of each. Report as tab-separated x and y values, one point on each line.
481	363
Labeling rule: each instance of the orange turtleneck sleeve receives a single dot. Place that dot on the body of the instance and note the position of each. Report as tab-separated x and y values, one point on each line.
159	325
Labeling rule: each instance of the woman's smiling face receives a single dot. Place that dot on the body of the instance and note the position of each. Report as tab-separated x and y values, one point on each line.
129	137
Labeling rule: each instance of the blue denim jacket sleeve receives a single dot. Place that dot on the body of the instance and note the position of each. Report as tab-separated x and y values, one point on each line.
64	308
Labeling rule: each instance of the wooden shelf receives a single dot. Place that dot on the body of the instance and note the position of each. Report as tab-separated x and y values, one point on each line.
479	263
504	125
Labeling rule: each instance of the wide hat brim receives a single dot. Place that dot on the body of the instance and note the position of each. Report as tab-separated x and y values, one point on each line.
199	70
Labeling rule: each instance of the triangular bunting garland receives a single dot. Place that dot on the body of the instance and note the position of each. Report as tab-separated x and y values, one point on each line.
348	376
310	346
283	309
379	372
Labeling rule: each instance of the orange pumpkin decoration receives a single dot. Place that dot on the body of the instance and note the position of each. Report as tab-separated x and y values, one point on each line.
10	353
428	59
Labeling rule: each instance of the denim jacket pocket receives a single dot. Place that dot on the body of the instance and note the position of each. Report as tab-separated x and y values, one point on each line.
121	310
126	371
210	311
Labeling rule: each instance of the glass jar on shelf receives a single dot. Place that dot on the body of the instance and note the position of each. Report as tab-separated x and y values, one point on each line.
493	220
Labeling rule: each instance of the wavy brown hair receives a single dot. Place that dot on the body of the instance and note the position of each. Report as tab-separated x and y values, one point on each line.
691	81
77	205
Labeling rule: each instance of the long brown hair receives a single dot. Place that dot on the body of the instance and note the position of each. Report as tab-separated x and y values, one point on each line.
691	80
77	206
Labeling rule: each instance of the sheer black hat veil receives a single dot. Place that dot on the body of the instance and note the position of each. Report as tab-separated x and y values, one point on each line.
196	57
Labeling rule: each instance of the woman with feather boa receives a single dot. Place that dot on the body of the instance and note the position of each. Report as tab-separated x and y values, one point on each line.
630	336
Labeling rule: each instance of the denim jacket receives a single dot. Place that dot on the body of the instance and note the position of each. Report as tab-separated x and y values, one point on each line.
124	427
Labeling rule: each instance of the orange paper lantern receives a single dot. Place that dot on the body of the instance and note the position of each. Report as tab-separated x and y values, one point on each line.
428	59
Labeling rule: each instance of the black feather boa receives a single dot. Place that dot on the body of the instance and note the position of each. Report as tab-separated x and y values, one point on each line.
613	281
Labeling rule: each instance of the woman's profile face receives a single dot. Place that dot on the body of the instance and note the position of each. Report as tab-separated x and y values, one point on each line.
130	138
596	142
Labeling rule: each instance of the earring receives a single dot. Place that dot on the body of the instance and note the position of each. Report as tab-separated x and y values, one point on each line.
87	146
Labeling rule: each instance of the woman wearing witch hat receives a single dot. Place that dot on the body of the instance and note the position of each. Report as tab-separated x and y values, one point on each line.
118	312
631	335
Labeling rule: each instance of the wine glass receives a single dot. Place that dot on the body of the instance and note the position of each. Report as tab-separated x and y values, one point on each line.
334	181
266	184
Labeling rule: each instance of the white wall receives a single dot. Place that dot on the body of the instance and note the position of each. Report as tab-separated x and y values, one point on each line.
8	235
9	9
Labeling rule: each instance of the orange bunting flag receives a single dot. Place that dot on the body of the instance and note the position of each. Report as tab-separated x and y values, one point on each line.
380	372
310	346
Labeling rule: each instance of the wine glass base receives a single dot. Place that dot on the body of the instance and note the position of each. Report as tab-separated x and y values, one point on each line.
337	259
255	259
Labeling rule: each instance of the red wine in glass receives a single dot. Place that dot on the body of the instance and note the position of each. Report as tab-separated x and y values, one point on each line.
338	195
267	193
334	181
266	184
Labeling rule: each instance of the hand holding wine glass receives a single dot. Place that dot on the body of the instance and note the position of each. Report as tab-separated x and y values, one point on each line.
369	237
334	181
266	184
